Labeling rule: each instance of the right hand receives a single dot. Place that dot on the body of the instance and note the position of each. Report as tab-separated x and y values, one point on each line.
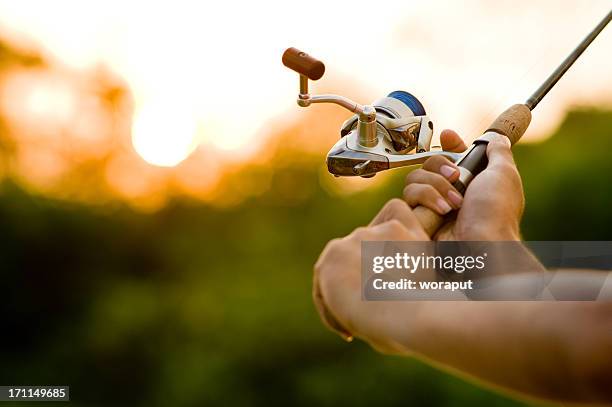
493	203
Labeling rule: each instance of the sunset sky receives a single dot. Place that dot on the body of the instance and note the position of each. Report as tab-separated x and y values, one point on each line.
208	75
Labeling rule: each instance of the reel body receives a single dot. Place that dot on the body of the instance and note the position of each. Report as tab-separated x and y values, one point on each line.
392	132
401	134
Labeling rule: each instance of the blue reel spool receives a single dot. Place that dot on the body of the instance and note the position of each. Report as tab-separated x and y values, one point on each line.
409	100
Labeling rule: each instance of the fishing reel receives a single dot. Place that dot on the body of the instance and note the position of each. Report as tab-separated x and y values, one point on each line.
392	132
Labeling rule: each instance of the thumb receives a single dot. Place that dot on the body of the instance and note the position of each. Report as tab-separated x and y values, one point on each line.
451	141
498	151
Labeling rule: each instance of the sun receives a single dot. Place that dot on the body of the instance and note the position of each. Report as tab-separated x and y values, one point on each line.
164	134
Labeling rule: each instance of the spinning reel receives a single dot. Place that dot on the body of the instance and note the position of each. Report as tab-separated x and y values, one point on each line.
394	131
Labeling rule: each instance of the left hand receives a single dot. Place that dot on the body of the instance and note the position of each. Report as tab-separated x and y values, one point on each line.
337	281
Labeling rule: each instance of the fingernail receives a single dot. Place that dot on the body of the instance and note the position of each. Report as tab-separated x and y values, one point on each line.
455	198
447	171
443	207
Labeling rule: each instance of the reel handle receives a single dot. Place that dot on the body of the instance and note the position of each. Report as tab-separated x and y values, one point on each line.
303	64
512	123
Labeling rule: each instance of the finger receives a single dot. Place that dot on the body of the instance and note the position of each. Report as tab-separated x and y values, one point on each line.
399	210
501	160
443	166
498	152
428	196
441	184
451	141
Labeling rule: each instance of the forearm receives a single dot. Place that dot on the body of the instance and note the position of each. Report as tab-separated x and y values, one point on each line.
557	351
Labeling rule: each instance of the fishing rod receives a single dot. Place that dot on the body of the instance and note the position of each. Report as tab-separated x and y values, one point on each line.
394	131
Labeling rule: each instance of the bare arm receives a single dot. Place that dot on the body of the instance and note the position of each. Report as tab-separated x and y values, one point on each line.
557	351
550	350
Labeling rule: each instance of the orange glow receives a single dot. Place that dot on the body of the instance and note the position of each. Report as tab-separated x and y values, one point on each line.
171	98
39	98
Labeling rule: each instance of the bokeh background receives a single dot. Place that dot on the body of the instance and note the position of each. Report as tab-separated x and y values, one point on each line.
163	200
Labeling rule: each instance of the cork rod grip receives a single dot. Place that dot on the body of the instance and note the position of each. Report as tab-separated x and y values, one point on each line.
512	123
303	64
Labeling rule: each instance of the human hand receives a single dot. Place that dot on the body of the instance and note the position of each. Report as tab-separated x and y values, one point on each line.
493	203
337	281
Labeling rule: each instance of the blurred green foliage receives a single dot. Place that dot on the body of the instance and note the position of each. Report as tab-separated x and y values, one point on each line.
196	305
567	180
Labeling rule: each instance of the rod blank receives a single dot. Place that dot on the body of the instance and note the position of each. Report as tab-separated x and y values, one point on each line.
539	94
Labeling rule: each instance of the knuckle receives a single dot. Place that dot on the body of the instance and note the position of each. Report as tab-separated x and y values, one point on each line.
414	175
359	233
420	193
332	246
427	191
407	189
407	194
437	181
395	226
435	162
412	190
335	242
330	249
395	205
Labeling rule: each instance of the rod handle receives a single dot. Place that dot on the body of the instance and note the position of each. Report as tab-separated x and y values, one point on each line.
512	123
303	63
429	220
